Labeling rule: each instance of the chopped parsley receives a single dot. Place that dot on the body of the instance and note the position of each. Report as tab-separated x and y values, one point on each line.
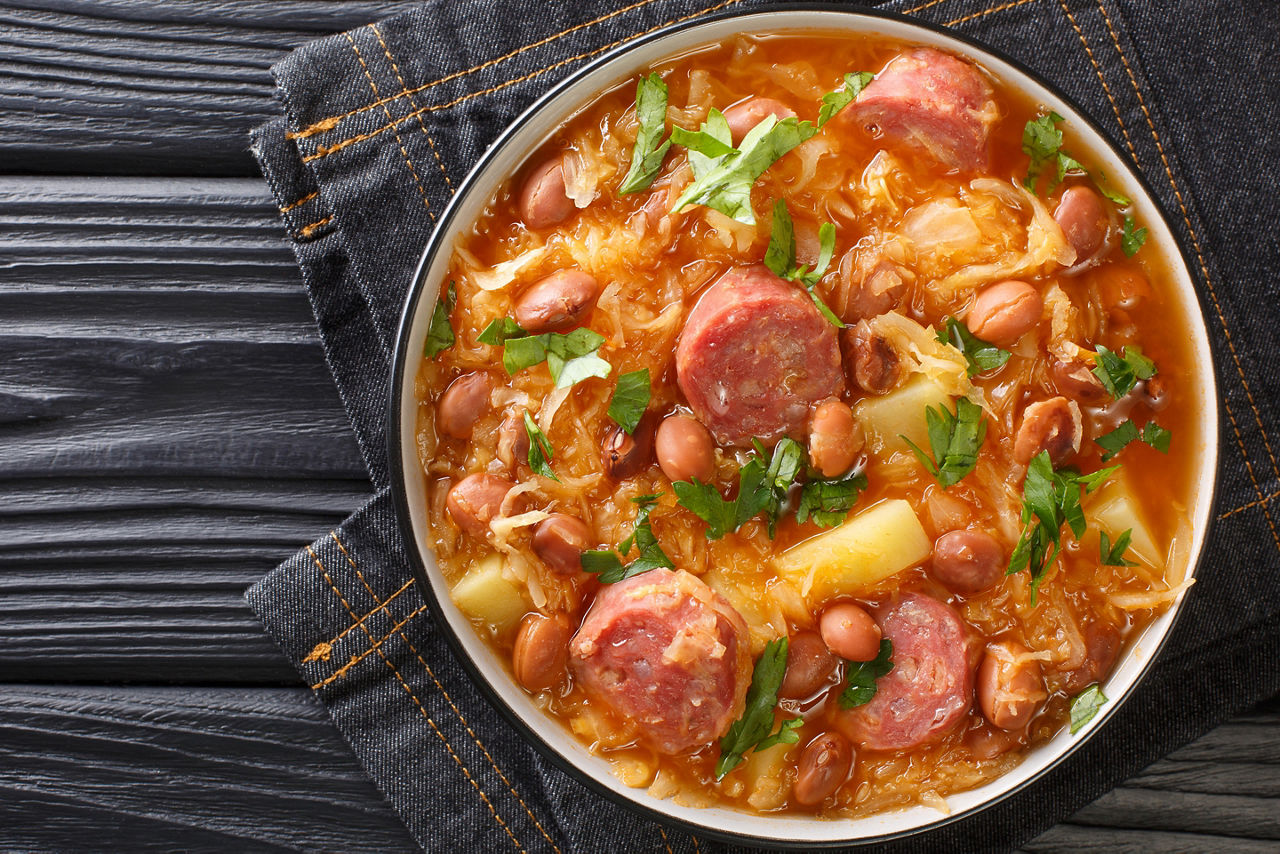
1042	142
1085	706
1151	433
648	154
754	730
440	333
570	356
607	564
540	452
761	488
780	257
1119	374
827	502
954	440
981	356
1131	240
1114	555
835	101
630	399
863	675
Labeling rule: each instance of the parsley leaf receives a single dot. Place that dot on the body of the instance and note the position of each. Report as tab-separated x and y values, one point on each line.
760	488
1152	434
540	452
954	439
1156	436
780	257
1131	241
863	676
607	564
1117	198
1085	706
1114	555
440	333
835	101
571	357
630	399
981	356
1120	374
499	330
827	502
647	156
1041	141
752	730
722	181
706	502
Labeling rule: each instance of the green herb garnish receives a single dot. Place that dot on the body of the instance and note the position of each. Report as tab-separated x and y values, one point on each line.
835	101
1120	374
630	399
1152	434
1085	706
648	153
761	488
980	355
440	332
863	676
571	356
752	730
1114	555
954	440
827	502
1131	240
607	564
540	452
780	257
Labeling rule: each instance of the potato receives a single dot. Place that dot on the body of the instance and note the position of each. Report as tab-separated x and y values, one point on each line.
768	775
900	413
868	548
1113	509
484	594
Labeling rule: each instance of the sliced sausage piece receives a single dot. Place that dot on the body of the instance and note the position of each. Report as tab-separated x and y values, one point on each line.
667	653
931	685
475	500
755	353
544	200
751	112
556	303
934	103
1054	425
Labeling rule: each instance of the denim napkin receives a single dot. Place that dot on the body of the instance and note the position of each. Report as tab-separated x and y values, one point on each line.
379	126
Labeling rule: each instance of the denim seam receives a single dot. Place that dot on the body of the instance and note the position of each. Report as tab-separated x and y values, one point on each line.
413	105
374	646
381	606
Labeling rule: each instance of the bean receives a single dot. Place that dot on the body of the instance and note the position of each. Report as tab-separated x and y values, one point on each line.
544	200
475	500
849	631
1004	312
625	455
556	303
1075	378
742	117
835	438
967	561
1009	685
1102	647
541	651
685	449
462	403
809	666
876	366
824	766
988	742
513	441
1052	425
560	540
1084	220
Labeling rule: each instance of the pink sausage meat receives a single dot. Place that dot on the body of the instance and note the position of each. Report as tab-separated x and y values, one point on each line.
934	102
667	653
931	684
755	353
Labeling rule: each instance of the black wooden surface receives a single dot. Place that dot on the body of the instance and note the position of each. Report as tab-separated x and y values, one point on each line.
169	432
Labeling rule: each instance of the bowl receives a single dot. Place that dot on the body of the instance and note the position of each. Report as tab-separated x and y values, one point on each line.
491	674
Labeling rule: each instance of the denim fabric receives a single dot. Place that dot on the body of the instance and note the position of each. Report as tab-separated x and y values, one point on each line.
381	123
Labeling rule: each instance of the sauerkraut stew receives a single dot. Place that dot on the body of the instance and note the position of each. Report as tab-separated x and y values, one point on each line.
802	423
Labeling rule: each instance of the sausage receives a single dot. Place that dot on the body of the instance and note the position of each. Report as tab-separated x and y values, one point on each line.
541	651
544	200
824	766
1010	686
849	631
668	654
967	561
1102	647
556	303
462	403
560	540
809	666
1004	312
932	102
835	438
746	115
475	500
876	366
685	449
1084	220
1052	425
929	689
626	454
754	354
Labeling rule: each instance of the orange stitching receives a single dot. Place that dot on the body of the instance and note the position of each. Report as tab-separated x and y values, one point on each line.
331	122
449	700
922	7
1243	507
326	150
696	848
1204	270
403	151
987	12
300	202
1115	108
381	606
413	105
447	746
665	843
307	230
376	645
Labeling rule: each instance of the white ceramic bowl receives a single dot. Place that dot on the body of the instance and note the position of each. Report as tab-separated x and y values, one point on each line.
491	674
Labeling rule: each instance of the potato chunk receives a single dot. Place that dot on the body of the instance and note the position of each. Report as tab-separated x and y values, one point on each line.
900	413
1114	509
868	548
484	594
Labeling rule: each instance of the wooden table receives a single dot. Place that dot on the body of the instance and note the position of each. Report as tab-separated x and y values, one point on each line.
169	433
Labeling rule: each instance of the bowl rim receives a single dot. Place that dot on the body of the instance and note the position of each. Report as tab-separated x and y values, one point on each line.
439	239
